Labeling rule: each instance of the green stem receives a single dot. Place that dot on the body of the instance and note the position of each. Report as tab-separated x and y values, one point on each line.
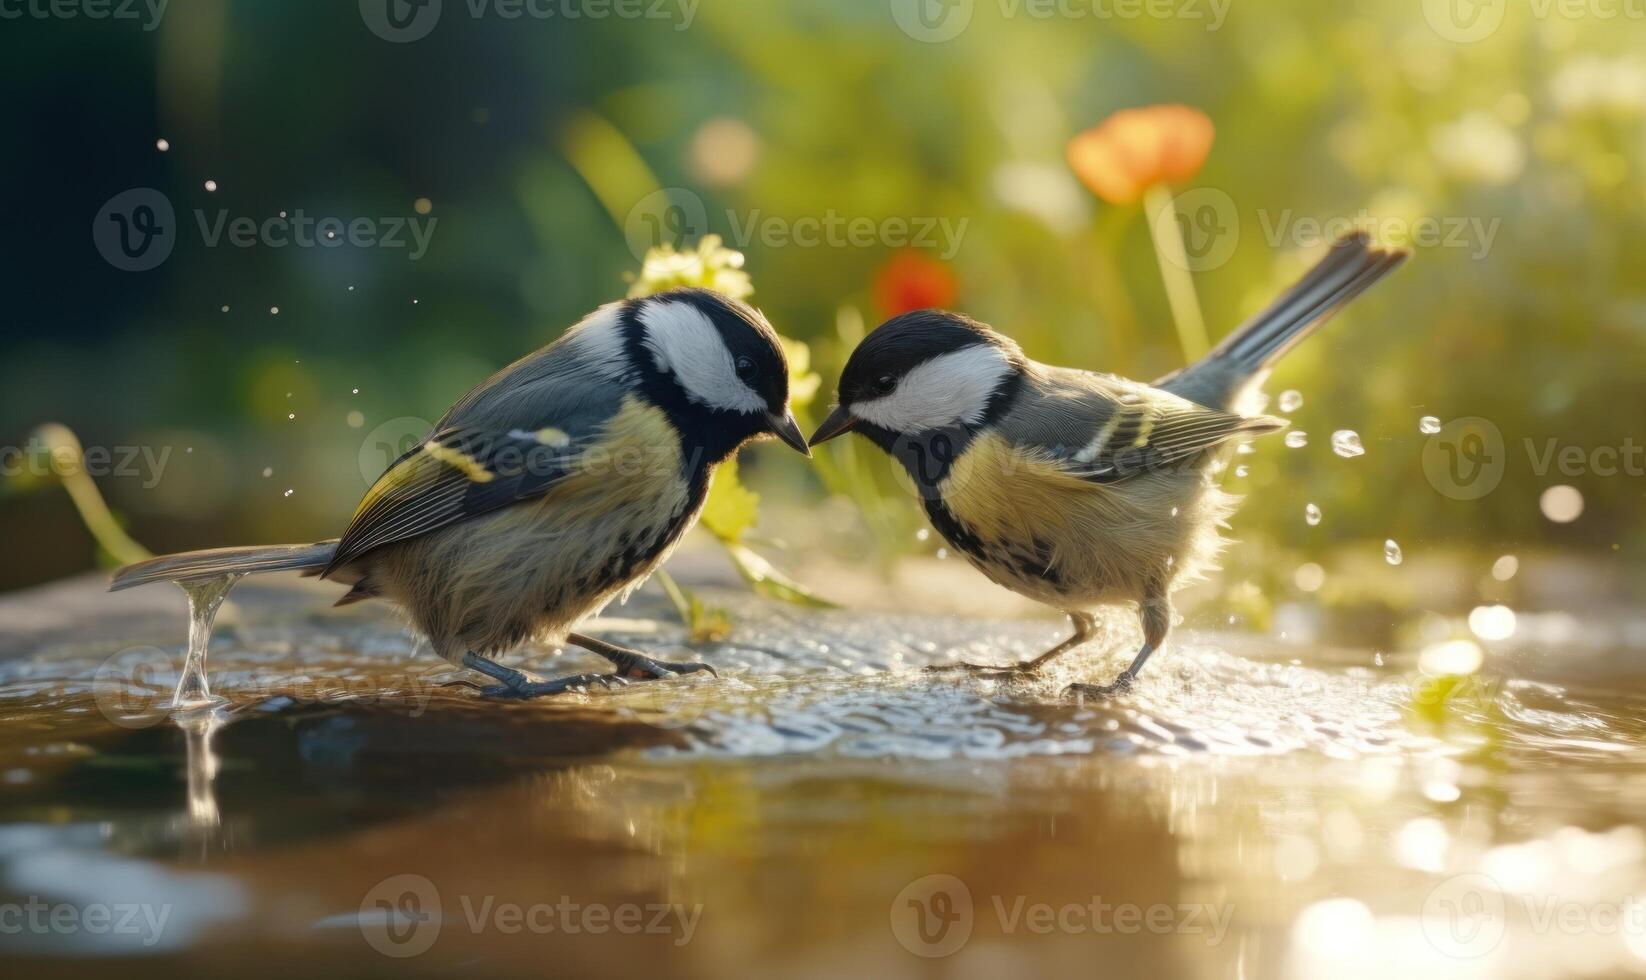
1161	211
67	457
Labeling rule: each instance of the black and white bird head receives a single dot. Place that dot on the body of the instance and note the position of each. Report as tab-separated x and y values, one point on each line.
925	371
713	363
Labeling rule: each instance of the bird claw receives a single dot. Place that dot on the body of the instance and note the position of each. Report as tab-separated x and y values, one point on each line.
647	669
1121	685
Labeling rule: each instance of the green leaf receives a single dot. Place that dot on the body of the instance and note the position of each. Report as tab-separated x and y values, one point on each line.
771	583
732	508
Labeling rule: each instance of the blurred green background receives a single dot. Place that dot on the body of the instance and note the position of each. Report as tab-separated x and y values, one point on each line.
537	145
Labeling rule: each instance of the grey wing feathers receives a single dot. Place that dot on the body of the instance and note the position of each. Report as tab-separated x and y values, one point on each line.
1351	266
1106	429
503	443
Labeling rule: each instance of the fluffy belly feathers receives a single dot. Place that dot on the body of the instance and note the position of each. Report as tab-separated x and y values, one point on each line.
535	568
1031	525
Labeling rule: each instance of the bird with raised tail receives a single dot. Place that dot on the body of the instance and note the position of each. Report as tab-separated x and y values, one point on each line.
562	481
1076	489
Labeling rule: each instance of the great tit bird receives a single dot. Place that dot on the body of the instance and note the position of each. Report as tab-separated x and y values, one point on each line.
1076	489
560	482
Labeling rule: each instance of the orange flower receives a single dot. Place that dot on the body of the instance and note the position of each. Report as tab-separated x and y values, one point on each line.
911	281
1135	149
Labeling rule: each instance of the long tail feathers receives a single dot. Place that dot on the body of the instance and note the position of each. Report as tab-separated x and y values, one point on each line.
194	565
1349	269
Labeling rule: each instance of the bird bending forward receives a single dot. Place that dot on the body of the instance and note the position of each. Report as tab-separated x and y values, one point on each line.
1076	489
562	481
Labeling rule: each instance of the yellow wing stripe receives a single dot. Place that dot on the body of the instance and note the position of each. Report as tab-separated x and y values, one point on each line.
458	459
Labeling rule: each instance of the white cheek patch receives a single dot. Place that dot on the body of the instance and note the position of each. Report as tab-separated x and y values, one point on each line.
684	343
947	389
599	342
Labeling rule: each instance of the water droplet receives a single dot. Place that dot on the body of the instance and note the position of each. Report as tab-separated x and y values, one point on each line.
1505	568
355	420
1241	470
162	144
1291	400
1311	515
1297	439
225	307
922	534
1174	511
288	493
356	391
1562	504
291	415
1346	443
351	289
268	471
1246	449
942	553
1377	658
282	214
1428	425
414	302
211	186
274	311
1392	553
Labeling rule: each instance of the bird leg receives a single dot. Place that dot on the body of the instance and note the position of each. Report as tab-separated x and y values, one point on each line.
1156	614
1084	625
631	665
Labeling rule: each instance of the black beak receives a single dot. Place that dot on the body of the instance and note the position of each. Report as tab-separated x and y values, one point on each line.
839	422
786	428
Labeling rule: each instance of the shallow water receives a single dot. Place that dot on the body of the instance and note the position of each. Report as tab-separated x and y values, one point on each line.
1250	809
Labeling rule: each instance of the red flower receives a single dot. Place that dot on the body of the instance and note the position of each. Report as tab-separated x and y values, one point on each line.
1135	149
911	281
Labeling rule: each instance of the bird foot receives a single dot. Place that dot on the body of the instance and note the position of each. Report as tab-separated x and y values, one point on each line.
1121	685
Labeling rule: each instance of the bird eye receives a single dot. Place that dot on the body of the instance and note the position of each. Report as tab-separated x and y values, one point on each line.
745	368
884	384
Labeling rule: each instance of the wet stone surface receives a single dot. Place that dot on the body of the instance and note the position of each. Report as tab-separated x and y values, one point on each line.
823	805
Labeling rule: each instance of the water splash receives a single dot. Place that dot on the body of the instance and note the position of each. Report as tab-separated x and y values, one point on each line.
1392	553
1311	515
1297	439
1346	443
1291	400
205	598
1428	425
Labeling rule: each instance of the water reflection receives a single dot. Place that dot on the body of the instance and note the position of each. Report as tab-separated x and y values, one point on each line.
1275	818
